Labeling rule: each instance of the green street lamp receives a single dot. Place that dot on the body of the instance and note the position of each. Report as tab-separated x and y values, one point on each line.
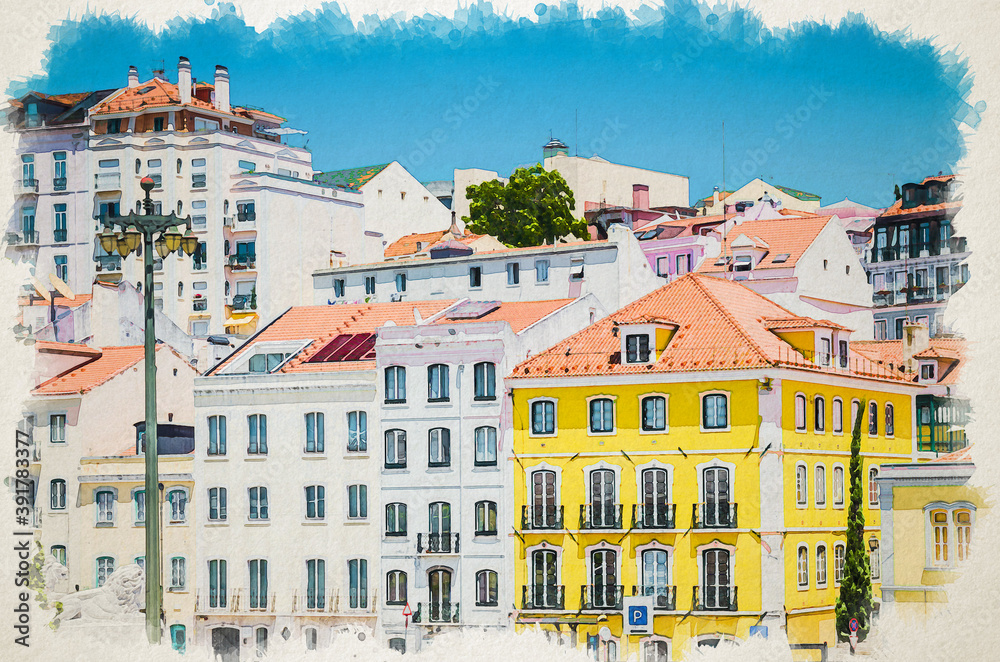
149	230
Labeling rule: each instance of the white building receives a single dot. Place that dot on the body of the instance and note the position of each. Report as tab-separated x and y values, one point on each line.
616	271
446	483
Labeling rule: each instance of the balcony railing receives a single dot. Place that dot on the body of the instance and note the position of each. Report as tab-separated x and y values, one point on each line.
26	185
920	294
29	238
108	181
234	602
109	263
58	183
436	612
601	516
240	262
653	516
941	438
543	596
543	517
199	265
713	515
437	543
664	597
605	597
199	305
60	235
882	299
714	598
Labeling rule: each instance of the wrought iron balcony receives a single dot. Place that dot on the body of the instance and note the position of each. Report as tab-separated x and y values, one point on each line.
246	216
437	543
653	516
544	517
883	299
60	235
713	516
108	181
601	597
109	262
664	597
714	598
240	262
29	238
543	596
58	183
25	185
601	516
436	612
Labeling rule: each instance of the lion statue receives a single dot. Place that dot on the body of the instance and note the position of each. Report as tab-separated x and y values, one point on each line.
56	576
121	595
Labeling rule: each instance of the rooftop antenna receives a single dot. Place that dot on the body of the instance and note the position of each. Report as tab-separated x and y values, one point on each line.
576	139
161	72
725	218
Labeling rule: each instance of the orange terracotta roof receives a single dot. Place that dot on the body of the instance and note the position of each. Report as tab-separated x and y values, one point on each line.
784	236
519	314
408	245
75	349
786	211
159	92
949	351
897	208
720	329
111	362
938	178
60	300
777	324
961	455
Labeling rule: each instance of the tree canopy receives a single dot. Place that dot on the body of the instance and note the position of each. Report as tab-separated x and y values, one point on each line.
534	207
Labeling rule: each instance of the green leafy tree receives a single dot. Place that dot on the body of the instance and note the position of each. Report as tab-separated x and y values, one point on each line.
855	598
534	207
897	193
253	298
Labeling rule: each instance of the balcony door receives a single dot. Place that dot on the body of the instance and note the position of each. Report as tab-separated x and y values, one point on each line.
439	594
654	497
602	498
543	499
716	496
543	565
656	575
439	516
715	564
604	578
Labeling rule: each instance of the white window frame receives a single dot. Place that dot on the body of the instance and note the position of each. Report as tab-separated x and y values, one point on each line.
666	412
799	570
822	547
950	509
555	417
843	485
816	419
838	579
170	506
801	495
267	504
113	508
833	419
614	416
801	425
819	499
872	505
701	410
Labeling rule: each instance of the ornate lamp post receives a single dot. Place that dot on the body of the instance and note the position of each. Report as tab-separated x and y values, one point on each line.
136	230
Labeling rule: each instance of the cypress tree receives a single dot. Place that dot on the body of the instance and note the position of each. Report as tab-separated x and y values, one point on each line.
855	597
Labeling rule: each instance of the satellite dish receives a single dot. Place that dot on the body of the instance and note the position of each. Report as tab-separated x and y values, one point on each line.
61	287
41	289
604	633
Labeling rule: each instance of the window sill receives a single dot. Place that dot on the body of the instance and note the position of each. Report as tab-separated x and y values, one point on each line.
483	468
481	536
104	525
438	401
394	402
314	456
611	433
543	435
648	432
257	522
175	524
395	537
484	398
354	522
725	429
216	458
356	455
255	459
214	523
177	590
314	522
139	525
441	468
395	468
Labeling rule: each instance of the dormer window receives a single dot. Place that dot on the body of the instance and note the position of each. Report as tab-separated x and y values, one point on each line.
743	263
265	357
927	372
266	362
637	348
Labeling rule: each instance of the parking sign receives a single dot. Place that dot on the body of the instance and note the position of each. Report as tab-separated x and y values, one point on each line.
638	615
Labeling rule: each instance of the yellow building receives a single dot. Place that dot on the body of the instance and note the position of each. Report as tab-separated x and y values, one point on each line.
929	515
692	448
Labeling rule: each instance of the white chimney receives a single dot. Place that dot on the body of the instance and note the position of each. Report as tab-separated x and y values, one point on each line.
184	79
221	88
715	197
133	76
916	338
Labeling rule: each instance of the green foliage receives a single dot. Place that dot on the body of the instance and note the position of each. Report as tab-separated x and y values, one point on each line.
253	298
898	194
534	207
855	597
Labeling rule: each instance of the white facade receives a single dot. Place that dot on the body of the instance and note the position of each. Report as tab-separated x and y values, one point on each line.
464	178
396	204
597	180
616	272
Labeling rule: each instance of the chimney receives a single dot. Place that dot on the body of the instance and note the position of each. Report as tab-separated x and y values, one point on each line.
184	79
640	196
133	76
916	338
221	88
454	229
715	196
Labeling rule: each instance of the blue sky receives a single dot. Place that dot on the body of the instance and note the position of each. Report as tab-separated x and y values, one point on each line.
839	111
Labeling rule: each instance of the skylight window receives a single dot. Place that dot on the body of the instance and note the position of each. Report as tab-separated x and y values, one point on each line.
147	89
778	259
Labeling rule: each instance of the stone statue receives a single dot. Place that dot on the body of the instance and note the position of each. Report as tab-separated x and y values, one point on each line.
121	596
56	577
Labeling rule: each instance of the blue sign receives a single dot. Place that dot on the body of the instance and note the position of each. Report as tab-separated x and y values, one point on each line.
760	630
638	615
853	625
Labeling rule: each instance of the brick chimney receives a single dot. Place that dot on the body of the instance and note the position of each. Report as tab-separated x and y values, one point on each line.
184	79
133	76
640	196
916	338
221	88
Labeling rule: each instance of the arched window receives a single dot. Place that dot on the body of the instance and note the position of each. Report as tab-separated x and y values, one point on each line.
439	592
395	519
654	413
838	415
395	384
180	289
714	411
439	447
655	651
872	419
838	486
357	432
486	446
890	420
395	449
486	518
819	414
315	502
177	498
105	500
58	552
178	573
819	485
180	206
315	432
821	565
839	557
311	636
803	567
800	412
855	406
138	165
963	533
486	588
939	524
602	415
395	587
543	513
260	637
873	487
179	166
801	485
57	494
875	559
105	566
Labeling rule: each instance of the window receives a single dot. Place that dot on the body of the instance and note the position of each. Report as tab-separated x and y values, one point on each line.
576	269
939	527
541	271
357	432
825	353
311	638
369	284
258	434
401	282
654	413
714	412
802	567
59	171
357	570
338	287
315	584
395	384
838	486
57	428
395	587
105	566
963	533
543	417
439	447
656	576
683	263
105	500
258	584
475	277
838	416
843	352
543	500
246	166
315	502
395	519
258	503
872	419
357	502
486	518
486	588
395	449
217	584
178	573
315	432
602	415
513	273
59	552
801	485
717	575
59	233
437	383
139	497
874	559
114	126
486	446
62	267
890	422
819	415
821	566
819	485
177	499
604	512
663	266
926	372
655	651
880	330
800	412
839	557
637	348
216	435
855	406
217	504
485	381
873	487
